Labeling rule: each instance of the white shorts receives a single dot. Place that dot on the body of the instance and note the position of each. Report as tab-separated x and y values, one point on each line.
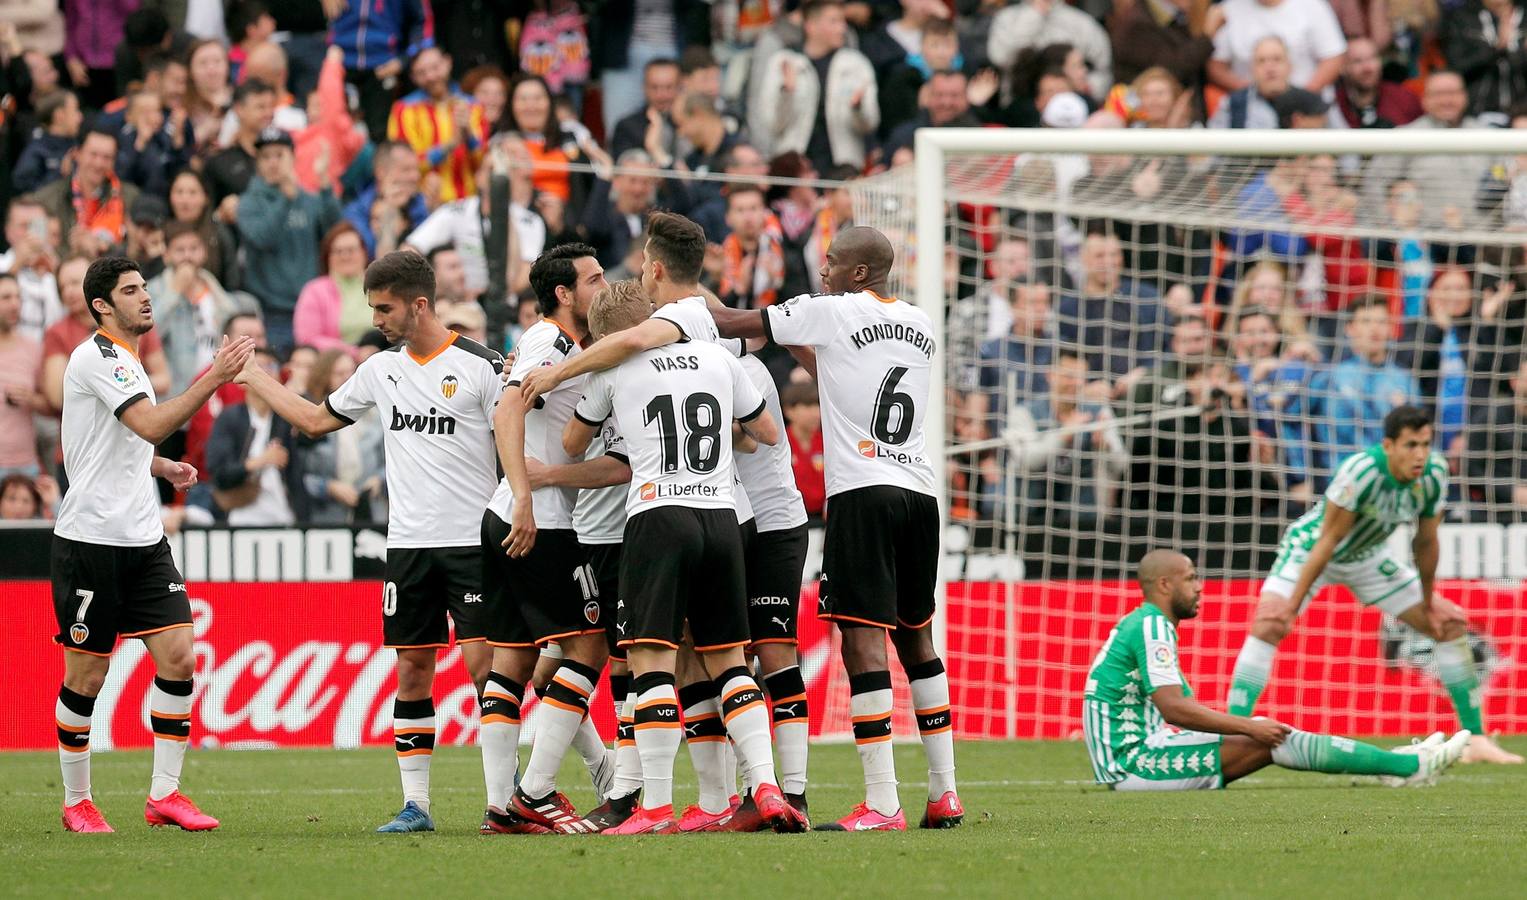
1169	758
1380	580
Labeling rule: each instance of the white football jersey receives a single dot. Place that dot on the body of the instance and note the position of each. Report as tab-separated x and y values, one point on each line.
112	498
544	344
438	415
767	473
874	358
599	517
692	317
674	406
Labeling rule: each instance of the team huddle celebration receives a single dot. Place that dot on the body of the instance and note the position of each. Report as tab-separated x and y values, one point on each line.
646	518
621	495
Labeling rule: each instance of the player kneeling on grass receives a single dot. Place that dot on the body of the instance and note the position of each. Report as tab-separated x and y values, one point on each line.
1344	540
1145	732
682	559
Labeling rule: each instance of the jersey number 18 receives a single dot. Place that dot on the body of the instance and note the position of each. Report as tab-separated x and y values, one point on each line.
702	430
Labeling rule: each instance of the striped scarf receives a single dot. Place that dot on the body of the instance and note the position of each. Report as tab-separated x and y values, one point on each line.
104	214
755	278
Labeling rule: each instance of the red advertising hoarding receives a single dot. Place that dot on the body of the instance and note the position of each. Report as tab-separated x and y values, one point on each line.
300	664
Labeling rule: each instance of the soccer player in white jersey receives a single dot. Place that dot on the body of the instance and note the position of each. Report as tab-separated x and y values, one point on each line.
1145	732
1344	539
774	549
435	391
774	561
682	559
112	572
873	356
540	586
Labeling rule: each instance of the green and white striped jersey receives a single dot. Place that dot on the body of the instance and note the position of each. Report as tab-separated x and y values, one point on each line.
1363	484
1139	657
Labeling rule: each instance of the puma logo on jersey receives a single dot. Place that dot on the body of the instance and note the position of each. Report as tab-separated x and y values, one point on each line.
784	626
407	740
396	382
425	424
674	363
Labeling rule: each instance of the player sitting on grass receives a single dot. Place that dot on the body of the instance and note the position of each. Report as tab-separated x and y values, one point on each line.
1344	539
1145	732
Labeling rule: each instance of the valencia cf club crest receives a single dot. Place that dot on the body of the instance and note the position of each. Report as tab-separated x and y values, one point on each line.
591	612
448	386
79	632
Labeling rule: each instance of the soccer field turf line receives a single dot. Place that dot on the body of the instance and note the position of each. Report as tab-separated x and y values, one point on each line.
298	823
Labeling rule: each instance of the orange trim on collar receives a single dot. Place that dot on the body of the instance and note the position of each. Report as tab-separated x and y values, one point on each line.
436	352
880	298
116	340
581	342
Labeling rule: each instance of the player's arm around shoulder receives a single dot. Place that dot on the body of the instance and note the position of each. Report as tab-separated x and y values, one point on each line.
605	353
596	405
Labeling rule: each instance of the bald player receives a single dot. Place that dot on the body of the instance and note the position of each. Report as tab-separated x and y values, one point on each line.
1145	732
873	356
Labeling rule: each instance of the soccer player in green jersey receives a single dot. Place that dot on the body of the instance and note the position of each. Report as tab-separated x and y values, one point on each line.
1344	540
1145	732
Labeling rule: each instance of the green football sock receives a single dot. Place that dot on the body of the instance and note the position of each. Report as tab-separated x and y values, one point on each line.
1455	666
1338	755
1250	675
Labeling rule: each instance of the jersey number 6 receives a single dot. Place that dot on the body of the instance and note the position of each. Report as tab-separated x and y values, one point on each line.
887	400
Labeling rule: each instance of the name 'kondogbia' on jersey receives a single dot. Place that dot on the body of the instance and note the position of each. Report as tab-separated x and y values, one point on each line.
874	361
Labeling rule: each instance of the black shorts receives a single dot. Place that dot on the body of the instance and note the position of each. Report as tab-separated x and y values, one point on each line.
422	586
880	564
775	561
102	591
548	594
604	559
683	564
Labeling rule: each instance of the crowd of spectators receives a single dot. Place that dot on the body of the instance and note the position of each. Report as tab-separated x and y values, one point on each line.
253	156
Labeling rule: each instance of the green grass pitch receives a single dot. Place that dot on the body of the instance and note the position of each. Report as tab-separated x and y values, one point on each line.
298	823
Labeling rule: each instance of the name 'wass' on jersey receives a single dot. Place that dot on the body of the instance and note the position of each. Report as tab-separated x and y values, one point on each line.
674	406
874	361
437	416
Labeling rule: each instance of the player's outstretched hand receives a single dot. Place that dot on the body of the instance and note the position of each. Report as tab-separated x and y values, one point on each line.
231	357
180	475
540	381
1267	731
522	530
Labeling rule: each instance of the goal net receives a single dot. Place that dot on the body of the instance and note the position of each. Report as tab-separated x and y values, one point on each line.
1170	339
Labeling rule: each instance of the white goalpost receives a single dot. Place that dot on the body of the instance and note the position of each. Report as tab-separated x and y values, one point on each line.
1038	563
